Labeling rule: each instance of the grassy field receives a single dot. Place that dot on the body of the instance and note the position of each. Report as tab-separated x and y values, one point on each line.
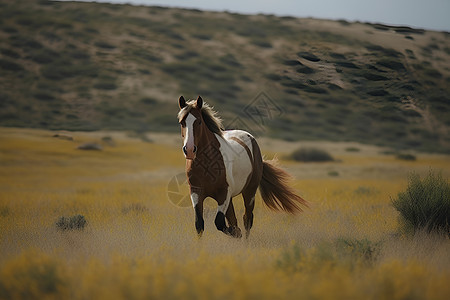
138	245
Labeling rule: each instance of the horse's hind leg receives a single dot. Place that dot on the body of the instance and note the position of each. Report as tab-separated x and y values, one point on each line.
249	203
249	191
233	228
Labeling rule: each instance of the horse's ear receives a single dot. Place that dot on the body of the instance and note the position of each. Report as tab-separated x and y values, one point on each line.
182	102
199	103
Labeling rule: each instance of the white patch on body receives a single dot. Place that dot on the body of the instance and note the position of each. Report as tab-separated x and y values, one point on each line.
189	138
238	166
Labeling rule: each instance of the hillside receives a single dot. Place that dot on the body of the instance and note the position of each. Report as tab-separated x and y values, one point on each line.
90	66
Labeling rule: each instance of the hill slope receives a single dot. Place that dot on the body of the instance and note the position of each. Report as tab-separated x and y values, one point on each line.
88	66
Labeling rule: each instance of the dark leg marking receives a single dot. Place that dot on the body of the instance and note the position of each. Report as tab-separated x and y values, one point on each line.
248	223
220	222
233	228
199	222
199	225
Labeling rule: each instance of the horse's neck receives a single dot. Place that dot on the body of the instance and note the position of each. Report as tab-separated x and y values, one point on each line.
208	138
208	155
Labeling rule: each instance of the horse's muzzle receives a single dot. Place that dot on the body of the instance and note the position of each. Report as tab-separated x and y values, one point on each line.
189	153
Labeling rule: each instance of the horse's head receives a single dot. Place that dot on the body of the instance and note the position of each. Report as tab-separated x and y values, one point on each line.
191	119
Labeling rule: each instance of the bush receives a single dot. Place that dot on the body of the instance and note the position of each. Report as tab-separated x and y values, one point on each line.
343	252
363	250
104	45
291	259
63	69
44	96
392	64
333	173
425	205
10	65
352	149
261	43
148	101
311	155
406	156
105	85
70	223
33	275
308	56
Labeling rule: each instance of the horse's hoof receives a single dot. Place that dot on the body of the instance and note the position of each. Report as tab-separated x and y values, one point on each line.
234	232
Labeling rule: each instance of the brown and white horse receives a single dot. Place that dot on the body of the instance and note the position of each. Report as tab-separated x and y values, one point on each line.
222	164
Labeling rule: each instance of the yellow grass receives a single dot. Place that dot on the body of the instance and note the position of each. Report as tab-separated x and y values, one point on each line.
138	245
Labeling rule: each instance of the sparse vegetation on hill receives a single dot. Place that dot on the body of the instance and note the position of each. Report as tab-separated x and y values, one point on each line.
89	66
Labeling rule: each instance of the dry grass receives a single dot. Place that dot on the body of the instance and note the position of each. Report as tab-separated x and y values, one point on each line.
138	245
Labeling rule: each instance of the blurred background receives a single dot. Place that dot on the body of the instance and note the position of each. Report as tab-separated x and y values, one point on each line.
88	66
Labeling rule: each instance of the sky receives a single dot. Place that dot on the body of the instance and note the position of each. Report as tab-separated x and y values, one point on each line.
427	14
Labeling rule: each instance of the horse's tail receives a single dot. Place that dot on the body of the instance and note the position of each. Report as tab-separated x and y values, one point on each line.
276	192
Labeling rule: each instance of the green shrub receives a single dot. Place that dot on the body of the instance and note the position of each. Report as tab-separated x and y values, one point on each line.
433	73
187	55
32	275
352	149
10	65
24	43
392	64
230	60
425	205
292	62
365	191
202	36
346	64
362	250
406	156
104	45
105	85
77	222
305	70
341	252
148	101
62	69
291	258
311	155
43	56
262	43
308	56
9	52
44	96
145	54
4	211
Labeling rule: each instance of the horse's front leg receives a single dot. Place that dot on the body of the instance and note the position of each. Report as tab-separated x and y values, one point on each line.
223	199
197	203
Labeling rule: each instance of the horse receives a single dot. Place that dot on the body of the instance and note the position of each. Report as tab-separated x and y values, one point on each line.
222	164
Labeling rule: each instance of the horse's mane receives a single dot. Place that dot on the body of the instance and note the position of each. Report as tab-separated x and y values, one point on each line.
210	116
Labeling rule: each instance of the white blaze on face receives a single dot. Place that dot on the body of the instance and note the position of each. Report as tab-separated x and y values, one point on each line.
189	137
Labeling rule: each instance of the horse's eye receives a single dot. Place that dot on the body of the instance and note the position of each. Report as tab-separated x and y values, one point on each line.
199	122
